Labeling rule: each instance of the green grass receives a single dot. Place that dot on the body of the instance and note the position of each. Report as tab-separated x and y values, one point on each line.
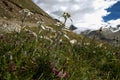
24	56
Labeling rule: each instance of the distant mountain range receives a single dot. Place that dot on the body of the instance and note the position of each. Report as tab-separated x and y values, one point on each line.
108	34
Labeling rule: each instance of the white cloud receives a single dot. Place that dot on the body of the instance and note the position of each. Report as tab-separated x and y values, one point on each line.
113	23
103	4
86	14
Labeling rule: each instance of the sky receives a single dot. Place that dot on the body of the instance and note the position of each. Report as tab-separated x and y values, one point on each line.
86	14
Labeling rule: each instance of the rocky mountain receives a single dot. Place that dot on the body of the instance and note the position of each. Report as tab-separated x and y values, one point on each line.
9	10
72	27
109	34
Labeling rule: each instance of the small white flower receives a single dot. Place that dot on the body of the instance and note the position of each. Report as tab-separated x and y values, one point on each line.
10	55
87	44
60	40
34	34
66	30
45	37
5	25
42	27
31	32
58	24
66	36
40	22
29	13
73	41
41	36
11	27
49	27
17	28
100	45
94	51
26	12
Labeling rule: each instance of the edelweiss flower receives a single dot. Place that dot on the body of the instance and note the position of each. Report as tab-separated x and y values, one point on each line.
66	15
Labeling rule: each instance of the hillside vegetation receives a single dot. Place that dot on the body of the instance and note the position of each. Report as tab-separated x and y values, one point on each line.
9	9
54	53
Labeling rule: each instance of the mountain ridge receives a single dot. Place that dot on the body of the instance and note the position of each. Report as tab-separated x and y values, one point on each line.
108	34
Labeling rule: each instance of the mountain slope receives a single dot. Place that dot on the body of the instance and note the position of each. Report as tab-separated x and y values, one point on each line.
10	9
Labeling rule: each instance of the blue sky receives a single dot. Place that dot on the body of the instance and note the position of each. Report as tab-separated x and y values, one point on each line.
86	14
115	12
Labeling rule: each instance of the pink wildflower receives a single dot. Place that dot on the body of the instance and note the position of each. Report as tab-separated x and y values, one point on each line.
65	75
55	71
60	74
12	67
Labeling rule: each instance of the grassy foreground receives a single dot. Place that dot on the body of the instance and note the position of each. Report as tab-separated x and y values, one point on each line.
45	54
27	57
